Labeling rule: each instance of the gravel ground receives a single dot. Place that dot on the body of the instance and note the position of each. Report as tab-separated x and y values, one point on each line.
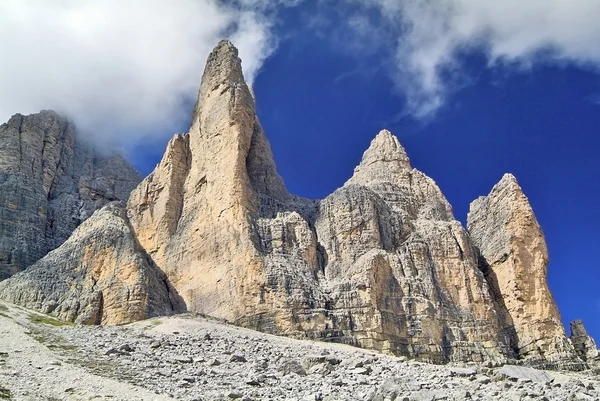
192	358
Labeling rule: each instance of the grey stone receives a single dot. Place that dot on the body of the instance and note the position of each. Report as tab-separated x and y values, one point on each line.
292	366
584	345
237	358
523	373
465	372
180	359
51	179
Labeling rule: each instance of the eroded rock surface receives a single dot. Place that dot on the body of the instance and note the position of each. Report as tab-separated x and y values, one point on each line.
50	181
514	259
100	275
380	263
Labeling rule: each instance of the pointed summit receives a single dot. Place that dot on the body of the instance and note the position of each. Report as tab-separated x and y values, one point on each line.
223	65
584	345
194	214
222	79
384	160
514	258
508	181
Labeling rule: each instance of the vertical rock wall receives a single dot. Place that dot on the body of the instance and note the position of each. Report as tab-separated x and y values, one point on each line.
514	259
50	181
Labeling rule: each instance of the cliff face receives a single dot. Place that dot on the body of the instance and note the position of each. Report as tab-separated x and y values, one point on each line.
514	259
100	275
381	263
50	181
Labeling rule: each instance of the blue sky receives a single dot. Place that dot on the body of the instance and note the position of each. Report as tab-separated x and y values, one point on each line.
472	90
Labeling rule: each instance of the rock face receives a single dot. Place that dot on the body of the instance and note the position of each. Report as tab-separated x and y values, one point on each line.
98	276
400	271
584	345
514	259
380	263
50	181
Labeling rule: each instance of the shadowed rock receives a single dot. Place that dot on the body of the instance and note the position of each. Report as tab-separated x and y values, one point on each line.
50	181
381	263
584	345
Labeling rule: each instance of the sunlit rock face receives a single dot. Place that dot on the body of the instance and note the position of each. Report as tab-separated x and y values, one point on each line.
380	263
51	179
100	275
514	258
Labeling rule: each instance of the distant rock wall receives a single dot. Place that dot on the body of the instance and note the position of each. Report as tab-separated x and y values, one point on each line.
50	181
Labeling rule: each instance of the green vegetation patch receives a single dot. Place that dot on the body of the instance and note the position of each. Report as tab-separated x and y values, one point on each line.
37	319
3	308
5	393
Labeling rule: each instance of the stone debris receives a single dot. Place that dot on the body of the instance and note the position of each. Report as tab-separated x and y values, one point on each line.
522	373
277	368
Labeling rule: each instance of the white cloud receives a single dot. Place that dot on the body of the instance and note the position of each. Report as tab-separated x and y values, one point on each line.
119	66
431	34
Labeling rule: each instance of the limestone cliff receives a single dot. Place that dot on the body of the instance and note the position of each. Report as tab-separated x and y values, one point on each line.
51	180
400	269
100	275
514	259
380	263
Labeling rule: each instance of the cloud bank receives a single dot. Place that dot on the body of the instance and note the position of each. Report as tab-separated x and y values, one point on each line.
124	68
428	38
120	67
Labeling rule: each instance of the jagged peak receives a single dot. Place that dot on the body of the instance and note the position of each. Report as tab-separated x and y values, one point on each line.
508	180
222	73
508	183
508	188
383	160
223	65
45	114
386	147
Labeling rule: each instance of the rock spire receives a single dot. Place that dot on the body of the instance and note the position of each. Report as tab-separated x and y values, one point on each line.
514	258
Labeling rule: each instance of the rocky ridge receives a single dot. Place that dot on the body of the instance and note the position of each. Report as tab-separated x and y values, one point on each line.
381	263
51	180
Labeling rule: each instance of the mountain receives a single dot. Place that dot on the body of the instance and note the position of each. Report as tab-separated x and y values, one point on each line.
380	263
51	179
